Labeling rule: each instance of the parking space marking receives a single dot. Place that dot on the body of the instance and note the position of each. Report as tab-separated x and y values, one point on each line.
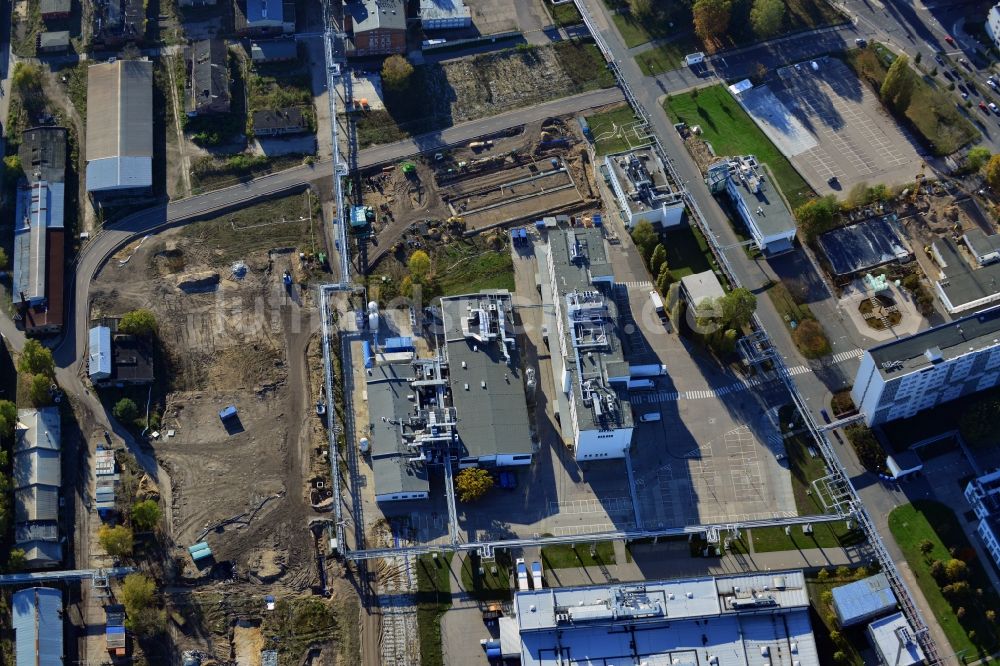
611	506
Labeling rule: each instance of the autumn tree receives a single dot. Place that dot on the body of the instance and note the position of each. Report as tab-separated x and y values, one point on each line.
993	173
711	18
977	157
956	570
897	87
36	360
396	72
472	483
419	265
645	239
817	215
145	515
738	307
138	322
766	17
142	612
658	258
117	541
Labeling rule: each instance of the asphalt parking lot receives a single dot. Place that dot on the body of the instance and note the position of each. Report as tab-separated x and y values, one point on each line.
831	125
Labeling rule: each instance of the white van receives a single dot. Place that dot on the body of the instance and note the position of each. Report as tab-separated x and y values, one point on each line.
651	417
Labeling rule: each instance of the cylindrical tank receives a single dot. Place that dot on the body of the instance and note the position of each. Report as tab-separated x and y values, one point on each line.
373	321
372	306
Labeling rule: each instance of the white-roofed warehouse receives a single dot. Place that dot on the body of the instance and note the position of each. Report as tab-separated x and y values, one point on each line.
120	129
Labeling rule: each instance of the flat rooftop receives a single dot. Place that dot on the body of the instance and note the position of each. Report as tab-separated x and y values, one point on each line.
120	129
484	370
941	343
727	621
643	178
754	185
388	405
893	639
592	340
963	285
864	245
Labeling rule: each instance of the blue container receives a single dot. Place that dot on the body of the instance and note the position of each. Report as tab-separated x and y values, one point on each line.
366	351
598	220
228	413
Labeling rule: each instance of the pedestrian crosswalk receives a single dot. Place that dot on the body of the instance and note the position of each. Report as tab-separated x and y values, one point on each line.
644	284
852	355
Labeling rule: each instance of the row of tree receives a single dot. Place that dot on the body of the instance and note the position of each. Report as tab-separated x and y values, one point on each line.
711	18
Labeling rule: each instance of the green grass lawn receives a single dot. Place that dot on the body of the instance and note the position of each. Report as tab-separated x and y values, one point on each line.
931	112
687	252
464	267
569	557
666	56
911	524
433	599
489	586
606	122
564	14
730	130
584	64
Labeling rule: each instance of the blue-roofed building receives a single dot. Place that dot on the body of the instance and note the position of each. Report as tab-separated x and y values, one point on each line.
38	626
265	17
99	354
863	600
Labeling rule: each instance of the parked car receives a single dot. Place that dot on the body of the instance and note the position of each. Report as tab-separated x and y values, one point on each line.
994	108
938	59
982	106
965	64
947	75
861	43
949	39
992	83
507	480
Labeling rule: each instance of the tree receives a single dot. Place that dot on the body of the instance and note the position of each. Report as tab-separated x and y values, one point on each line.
138	322
811	339
937	570
897	87
960	612
826	597
835	636
138	593
991	616
658	259
766	17
26	78
38	391
145	515
8	418
645	239
955	592
419	265
840	656
664	279
36	360
12	169
711	18
117	541
738	307
977	157
125	410
641	10
396	72
956	570
926	546
993	173
817	215
472	483
843	572
823	574
16	560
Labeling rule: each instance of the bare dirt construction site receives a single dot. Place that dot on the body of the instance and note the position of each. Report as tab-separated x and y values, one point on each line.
232	333
512	178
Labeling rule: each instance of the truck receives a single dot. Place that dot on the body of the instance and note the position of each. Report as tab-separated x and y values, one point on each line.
536	575
522	575
641	384
657	302
647	370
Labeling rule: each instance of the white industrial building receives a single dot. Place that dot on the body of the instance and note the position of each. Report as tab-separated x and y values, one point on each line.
746	620
897	379
983	495
894	642
642	189
757	200
444	15
582	332
993	25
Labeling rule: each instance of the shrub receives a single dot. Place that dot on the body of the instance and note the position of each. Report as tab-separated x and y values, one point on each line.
811	339
471	484
125	410
138	322
117	541
869	451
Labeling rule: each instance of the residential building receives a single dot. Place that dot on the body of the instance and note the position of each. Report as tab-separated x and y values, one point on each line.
39	240
764	211
993	25
279	122
207	89
37	478
115	22
961	286
863	600
581	315
119	359
899	378
37	614
52	10
53	42
375	27
486	380
444	15
894	642
120	130
642	189
724	621
273	50
262	18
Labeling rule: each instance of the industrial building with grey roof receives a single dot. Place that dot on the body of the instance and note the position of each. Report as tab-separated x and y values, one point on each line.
726	621
37	479
120	129
486	379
